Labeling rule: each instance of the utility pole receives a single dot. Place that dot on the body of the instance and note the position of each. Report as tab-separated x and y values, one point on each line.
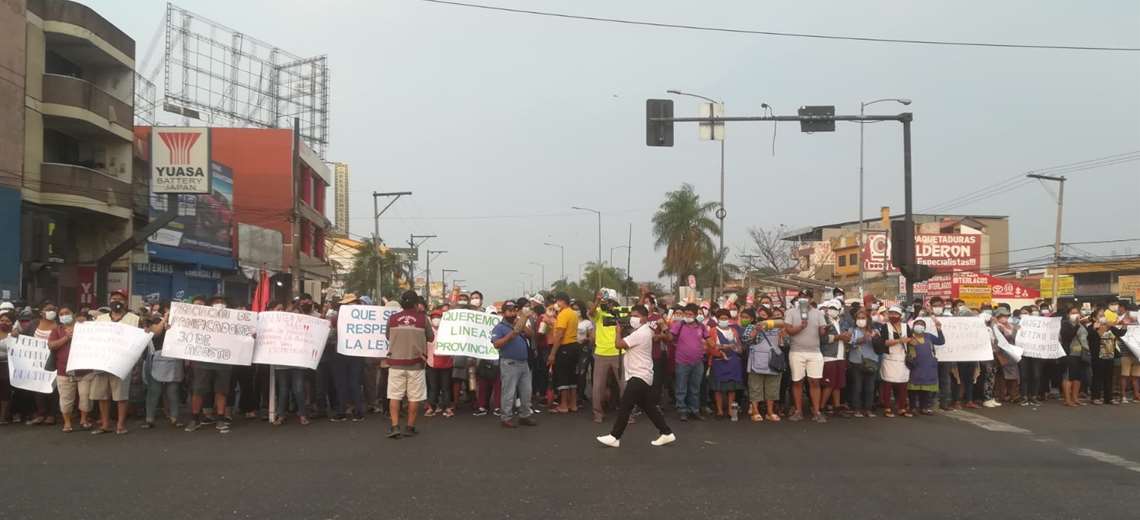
748	271
908	219
862	222
445	271
412	243
376	212
427	275
1056	240
562	250
629	251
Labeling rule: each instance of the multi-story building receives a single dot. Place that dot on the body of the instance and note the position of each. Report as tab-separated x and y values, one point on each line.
248	222
832	255
77	195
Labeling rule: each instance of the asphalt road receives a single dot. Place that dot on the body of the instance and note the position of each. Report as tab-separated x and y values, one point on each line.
1008	462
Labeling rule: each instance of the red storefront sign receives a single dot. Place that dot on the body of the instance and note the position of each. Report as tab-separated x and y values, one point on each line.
947	286
85	281
942	252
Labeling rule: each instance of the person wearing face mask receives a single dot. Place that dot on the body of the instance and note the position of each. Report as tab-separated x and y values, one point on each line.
107	387
923	383
161	375
637	370
1129	363
564	352
863	364
347	371
689	337
763	338
1075	341
438	375
989	368
1104	346
892	342
6	340
606	357
41	407
805	325
834	350
212	380
509	337
1008	390
727	367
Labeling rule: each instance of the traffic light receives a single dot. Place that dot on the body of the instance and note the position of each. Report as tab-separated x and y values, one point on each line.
901	255
658	133
817	118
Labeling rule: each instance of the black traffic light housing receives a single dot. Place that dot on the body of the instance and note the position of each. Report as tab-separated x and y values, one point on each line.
902	256
658	133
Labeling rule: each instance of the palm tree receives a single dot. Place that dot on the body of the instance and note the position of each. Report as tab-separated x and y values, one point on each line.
362	278
682	226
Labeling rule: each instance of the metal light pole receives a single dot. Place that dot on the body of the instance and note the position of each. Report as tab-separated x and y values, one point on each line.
542	267
376	235
1057	240
862	107
445	271
563	252
427	274
615	248
414	242
720	212
599	269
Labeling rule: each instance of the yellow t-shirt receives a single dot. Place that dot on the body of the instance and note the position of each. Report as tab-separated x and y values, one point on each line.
605	338
568	321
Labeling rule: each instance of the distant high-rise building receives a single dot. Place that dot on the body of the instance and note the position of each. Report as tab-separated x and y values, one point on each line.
340	179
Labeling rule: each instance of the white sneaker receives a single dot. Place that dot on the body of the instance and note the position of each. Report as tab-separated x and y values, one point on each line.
610	441
664	439
991	404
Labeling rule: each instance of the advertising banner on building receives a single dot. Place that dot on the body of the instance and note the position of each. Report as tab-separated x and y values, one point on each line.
180	160
204	222
941	252
1065	286
951	286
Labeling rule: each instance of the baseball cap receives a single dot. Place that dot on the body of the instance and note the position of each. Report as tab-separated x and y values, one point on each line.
895	309
510	305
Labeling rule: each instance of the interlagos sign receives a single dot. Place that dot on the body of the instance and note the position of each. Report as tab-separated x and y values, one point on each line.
943	253
180	160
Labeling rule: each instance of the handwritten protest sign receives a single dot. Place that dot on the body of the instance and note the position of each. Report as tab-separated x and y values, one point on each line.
466	333
967	339
1013	351
106	346
1040	337
362	330
1132	340
26	357
201	333
285	338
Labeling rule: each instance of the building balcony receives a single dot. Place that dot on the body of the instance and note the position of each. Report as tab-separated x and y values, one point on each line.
82	187
82	108
87	37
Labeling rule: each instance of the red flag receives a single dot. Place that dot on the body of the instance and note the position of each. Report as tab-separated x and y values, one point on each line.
261	294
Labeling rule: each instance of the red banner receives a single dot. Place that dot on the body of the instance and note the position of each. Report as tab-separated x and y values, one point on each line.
947	286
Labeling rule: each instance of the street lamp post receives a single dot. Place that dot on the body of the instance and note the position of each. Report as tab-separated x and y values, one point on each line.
562	250
599	269
444	277
862	230
720	212
376	212
615	248
542	267
427	275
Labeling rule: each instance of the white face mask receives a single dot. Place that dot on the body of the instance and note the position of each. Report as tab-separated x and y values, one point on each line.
66	319
476	301
50	315
330	314
435	322
1102	320
722	324
461	302
919	329
634	321
1074	317
861	323
689	320
987	315
766	305
937	310
732	313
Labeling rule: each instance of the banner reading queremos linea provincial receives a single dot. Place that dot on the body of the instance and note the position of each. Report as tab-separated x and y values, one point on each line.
201	333
465	332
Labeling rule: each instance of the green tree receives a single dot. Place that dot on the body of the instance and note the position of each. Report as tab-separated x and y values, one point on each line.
362	278
684	227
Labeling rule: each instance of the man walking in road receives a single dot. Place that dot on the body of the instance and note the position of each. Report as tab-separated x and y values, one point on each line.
638	374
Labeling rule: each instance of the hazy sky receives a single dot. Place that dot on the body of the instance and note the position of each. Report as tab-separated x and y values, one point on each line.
511	119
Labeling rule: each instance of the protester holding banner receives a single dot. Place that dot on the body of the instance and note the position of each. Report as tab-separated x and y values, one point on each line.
291	378
107	387
1011	374
210	380
42	405
408	334
75	385
161	375
347	371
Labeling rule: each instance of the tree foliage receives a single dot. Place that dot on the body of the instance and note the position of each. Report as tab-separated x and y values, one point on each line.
683	226
362	278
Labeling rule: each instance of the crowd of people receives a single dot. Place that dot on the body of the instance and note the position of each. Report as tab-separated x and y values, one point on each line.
768	362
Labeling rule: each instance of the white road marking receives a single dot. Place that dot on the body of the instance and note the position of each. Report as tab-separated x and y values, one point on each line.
995	425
